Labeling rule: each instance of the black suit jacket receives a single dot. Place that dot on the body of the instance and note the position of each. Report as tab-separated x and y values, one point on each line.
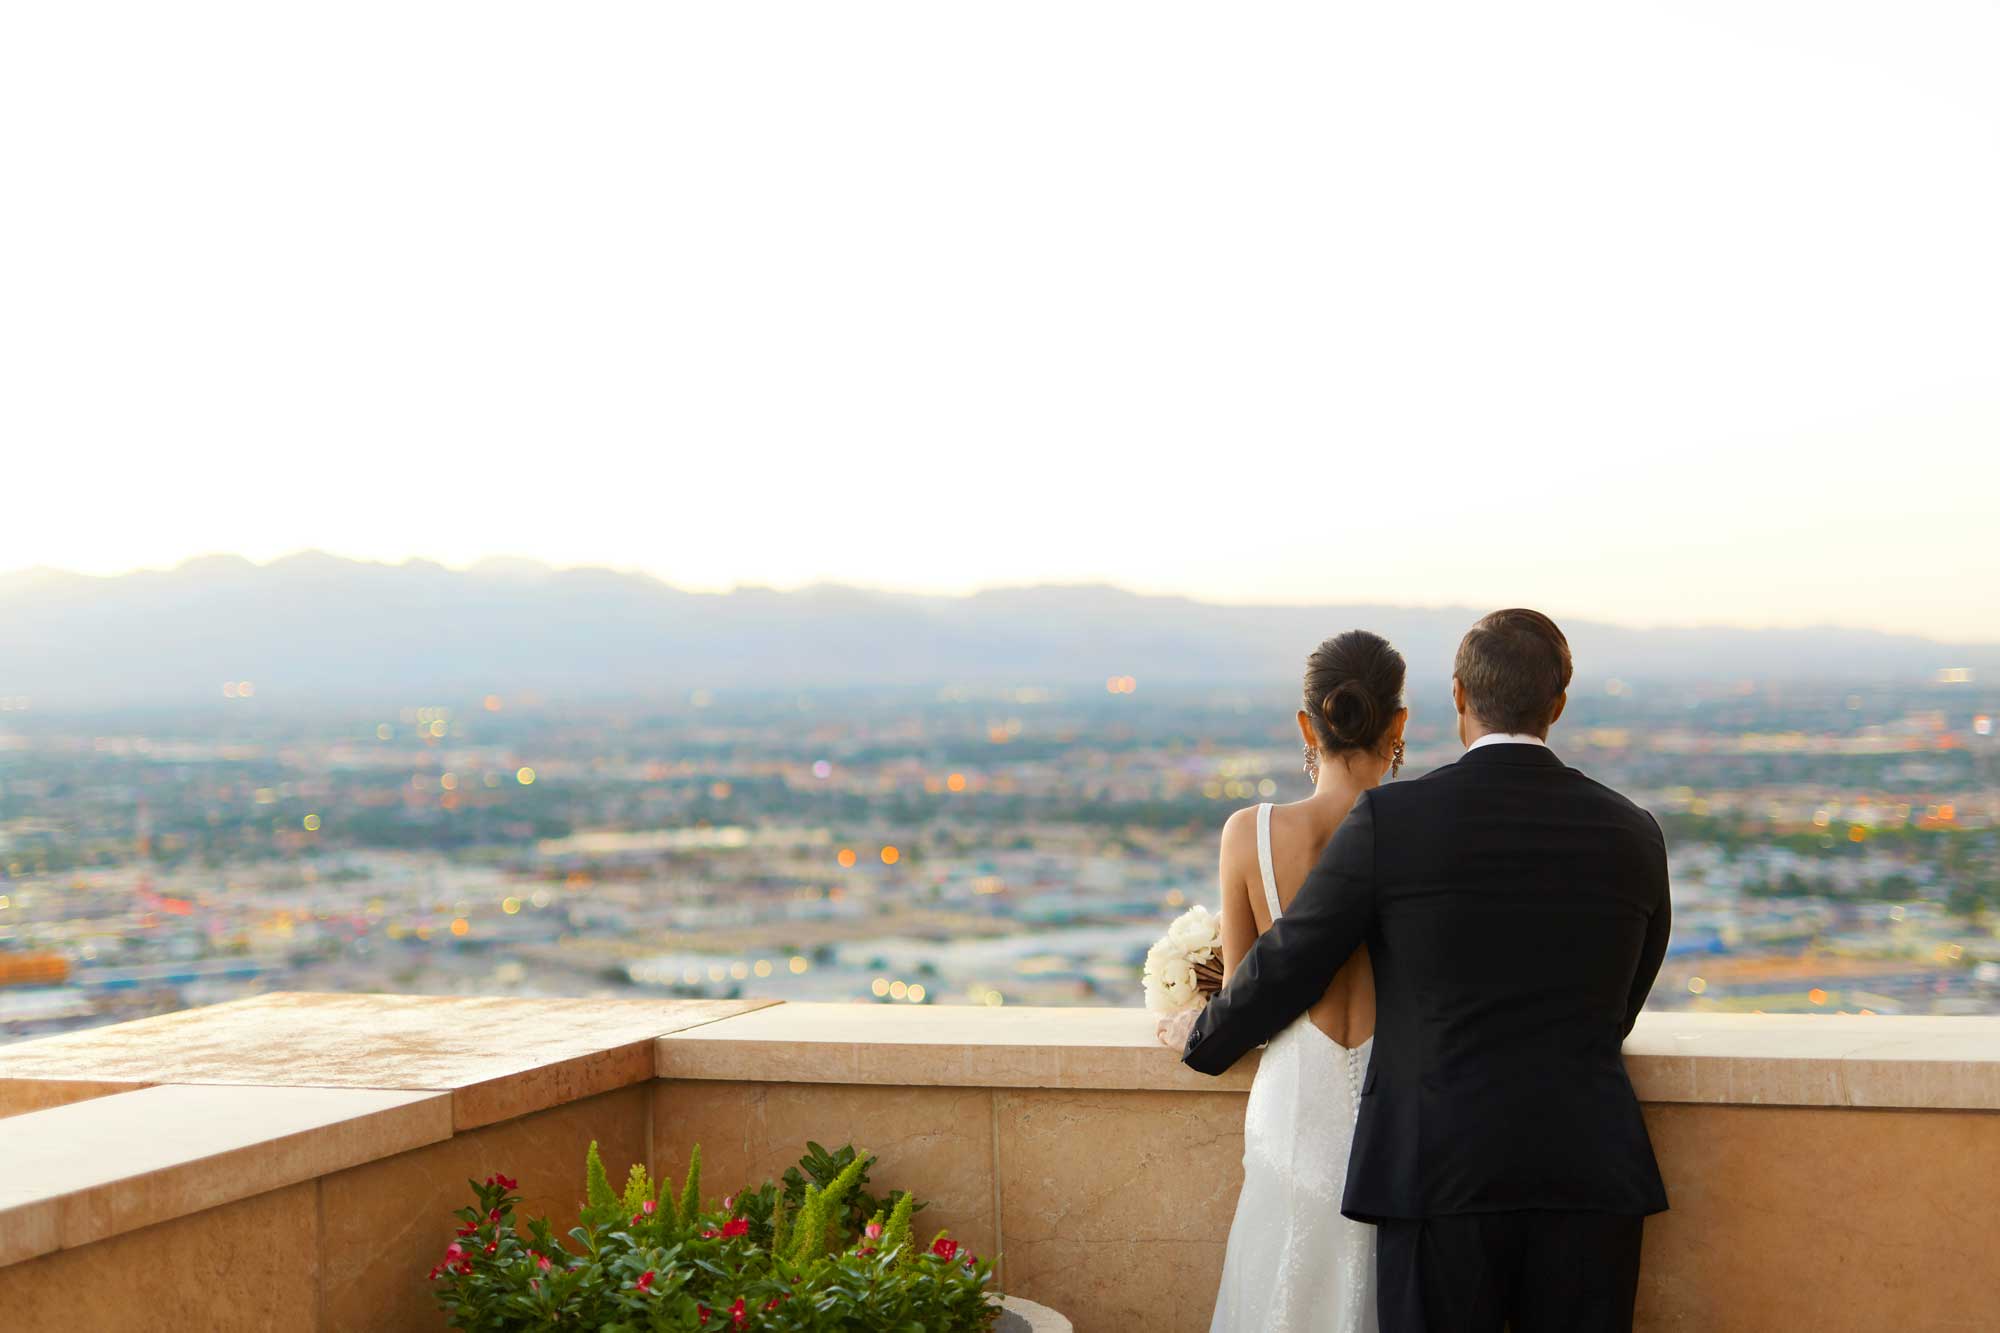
1516	914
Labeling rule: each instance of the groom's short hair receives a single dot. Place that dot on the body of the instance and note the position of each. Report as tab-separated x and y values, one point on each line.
1513	666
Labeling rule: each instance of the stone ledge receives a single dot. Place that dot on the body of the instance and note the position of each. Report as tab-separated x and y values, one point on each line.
88	1170
943	1046
499	1058
1873	1061
1744	1059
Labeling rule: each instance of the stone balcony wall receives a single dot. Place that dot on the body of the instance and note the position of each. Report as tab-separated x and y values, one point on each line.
291	1162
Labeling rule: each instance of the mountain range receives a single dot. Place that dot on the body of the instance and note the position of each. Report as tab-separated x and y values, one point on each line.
319	626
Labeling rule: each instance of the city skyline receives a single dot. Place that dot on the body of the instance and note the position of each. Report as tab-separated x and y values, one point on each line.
1833	847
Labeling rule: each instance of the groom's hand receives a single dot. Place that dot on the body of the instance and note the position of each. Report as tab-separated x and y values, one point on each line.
1291	964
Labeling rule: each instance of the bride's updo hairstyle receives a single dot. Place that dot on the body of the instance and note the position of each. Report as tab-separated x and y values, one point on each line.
1353	690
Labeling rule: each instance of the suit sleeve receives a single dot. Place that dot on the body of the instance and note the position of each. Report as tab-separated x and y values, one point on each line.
1658	929
1290	965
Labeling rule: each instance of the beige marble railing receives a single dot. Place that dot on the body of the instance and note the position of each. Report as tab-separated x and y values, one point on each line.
291	1162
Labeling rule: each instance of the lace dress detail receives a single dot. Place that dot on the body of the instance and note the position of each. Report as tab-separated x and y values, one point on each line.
1294	1263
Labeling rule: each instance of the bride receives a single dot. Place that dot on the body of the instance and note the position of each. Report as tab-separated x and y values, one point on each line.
1294	1263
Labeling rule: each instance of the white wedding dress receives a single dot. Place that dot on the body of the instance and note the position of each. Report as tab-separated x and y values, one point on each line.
1294	1263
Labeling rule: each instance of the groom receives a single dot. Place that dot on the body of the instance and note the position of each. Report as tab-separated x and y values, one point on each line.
1516	913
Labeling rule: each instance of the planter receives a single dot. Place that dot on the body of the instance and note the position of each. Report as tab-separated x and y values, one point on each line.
1019	1316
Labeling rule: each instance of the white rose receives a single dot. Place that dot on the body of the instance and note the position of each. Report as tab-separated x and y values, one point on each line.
1194	932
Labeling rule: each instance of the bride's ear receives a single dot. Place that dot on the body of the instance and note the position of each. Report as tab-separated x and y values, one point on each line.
1306	730
1397	723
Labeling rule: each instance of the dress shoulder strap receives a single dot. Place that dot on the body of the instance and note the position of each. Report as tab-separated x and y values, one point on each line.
1264	860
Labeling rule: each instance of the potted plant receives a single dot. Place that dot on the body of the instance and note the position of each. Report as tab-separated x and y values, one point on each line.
815	1253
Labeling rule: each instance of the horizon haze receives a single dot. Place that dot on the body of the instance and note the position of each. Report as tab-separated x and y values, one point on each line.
504	563
317	626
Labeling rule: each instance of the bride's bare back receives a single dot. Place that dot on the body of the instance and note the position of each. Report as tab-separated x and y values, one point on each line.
1299	833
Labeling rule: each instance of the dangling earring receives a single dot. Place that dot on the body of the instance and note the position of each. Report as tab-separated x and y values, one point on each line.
1312	765
1396	758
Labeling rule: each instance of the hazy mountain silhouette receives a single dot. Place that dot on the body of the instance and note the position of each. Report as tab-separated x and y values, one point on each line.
321	626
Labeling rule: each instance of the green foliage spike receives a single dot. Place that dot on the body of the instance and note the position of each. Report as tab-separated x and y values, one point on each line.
810	1226
690	1208
638	1191
822	1222
600	1205
781	1226
896	1235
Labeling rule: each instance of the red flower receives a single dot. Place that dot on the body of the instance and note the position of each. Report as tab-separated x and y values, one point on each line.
772	1304
506	1182
710	1234
435	1270
648	1208
638	1220
736	1226
465	1266
645	1282
541	1260
493	1216
454	1252
944	1247
493	1247
701	1313
467	1230
737	1314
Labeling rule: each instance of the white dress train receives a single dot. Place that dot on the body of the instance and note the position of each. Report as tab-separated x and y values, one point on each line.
1294	1263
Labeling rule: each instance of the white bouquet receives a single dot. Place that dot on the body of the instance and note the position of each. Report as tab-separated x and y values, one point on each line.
1185	967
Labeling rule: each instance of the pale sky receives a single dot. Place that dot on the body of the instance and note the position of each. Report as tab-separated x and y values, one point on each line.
1653	313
